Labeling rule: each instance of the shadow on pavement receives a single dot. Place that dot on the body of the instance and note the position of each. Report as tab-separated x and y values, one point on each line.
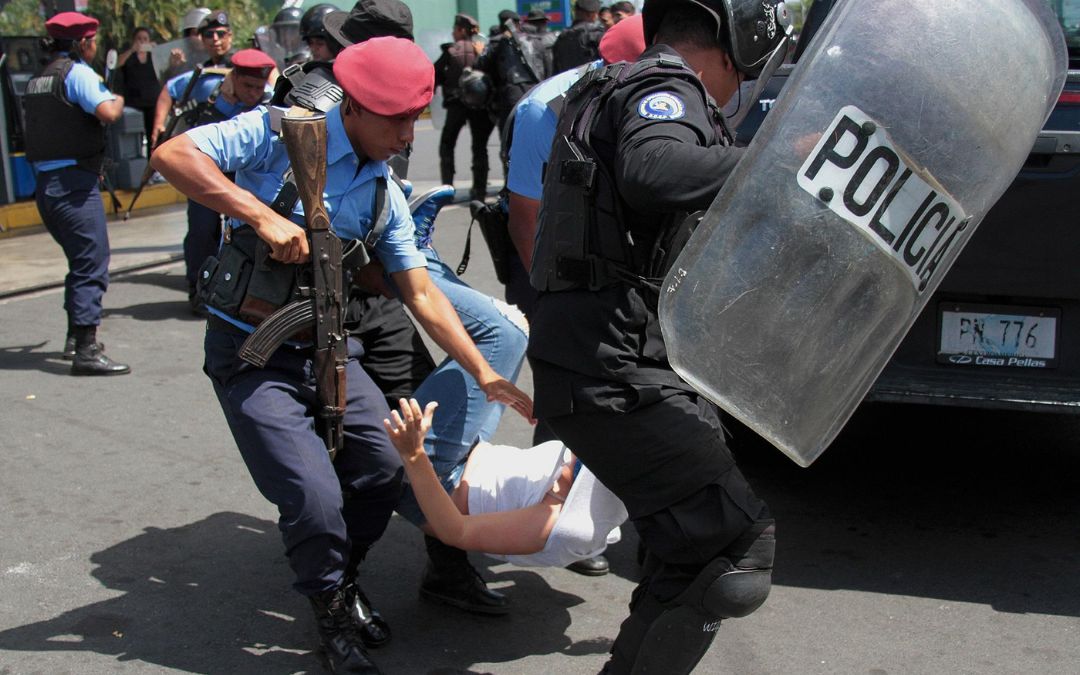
994	519
199	598
215	596
27	357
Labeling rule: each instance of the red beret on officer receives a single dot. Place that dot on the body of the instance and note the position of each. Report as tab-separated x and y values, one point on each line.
388	76
624	41
253	63
71	26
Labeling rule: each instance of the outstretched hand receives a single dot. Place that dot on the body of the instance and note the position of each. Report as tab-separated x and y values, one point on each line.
408	429
504	391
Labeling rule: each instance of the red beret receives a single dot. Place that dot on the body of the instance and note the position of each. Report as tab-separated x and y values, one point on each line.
388	76
624	41
71	26
253	62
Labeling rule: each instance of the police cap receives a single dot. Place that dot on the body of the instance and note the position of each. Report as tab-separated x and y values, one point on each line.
217	19
388	76
536	16
71	26
588	5
368	19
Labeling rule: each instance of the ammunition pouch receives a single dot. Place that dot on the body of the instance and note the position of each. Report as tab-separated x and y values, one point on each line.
244	281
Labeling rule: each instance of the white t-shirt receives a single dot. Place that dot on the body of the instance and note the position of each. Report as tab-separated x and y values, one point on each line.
508	478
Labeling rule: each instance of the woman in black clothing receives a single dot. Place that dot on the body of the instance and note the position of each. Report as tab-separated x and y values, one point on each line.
140	81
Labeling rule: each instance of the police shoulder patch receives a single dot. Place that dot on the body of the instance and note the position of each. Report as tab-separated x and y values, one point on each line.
663	105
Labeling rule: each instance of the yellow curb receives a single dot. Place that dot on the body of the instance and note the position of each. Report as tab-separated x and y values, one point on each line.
25	214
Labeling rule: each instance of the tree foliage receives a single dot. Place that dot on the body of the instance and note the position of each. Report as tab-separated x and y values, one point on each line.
119	18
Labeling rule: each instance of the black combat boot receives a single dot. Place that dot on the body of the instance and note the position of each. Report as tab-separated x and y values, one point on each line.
450	579
338	636
373	629
69	343
90	356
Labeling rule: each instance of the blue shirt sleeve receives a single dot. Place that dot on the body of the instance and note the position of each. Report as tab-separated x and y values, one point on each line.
396	248
177	84
244	142
84	87
534	130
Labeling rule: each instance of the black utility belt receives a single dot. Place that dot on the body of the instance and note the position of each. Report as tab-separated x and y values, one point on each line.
244	281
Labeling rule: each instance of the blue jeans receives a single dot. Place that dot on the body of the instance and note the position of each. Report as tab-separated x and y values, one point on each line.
464	415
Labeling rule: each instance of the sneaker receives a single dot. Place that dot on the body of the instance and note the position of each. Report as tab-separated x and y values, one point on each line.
425	208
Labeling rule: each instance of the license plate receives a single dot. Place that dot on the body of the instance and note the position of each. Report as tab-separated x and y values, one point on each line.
998	336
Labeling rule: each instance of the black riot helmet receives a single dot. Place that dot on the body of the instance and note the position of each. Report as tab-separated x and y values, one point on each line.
474	89
311	24
288	16
755	28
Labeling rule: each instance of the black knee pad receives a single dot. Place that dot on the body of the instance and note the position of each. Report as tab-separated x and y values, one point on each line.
737	582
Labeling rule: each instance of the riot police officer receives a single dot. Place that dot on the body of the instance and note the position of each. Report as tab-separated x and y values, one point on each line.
456	57
313	32
580	43
329	509
65	108
517	60
620	180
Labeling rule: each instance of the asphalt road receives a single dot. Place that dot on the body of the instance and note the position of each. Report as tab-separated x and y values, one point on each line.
132	539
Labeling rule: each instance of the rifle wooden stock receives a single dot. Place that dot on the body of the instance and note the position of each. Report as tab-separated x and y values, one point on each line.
170	127
304	134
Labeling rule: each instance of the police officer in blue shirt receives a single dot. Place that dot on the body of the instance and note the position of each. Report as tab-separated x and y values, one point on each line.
328	508
65	108
216	96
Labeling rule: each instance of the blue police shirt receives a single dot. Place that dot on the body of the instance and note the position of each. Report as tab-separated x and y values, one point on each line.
84	88
534	130
246	145
203	90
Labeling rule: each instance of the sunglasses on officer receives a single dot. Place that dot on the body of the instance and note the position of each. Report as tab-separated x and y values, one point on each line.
220	34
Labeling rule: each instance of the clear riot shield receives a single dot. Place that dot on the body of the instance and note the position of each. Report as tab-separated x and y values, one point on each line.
900	127
192	50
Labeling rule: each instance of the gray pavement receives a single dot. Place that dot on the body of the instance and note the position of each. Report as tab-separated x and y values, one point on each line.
133	540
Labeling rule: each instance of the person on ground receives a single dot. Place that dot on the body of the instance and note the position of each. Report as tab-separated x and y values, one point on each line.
528	506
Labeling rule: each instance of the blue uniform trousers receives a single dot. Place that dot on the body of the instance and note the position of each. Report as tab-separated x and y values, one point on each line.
326	509
69	202
202	239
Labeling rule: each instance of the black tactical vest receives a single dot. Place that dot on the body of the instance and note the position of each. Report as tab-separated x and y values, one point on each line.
56	128
582	241
577	45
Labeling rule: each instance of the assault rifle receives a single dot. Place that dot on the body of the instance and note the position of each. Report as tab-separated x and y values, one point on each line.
175	116
322	303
